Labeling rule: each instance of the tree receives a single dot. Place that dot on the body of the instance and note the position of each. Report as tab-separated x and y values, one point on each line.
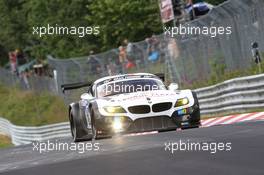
119	20
64	13
12	24
18	17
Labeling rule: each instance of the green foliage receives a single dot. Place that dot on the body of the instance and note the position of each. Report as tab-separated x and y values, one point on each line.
220	74
217	69
18	17
62	13
119	20
31	109
12	24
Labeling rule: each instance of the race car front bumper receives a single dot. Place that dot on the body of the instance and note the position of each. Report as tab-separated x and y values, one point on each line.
184	118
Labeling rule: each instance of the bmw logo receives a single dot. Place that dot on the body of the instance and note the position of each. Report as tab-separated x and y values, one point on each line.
149	100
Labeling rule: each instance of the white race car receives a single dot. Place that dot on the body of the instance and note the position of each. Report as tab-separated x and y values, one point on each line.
131	103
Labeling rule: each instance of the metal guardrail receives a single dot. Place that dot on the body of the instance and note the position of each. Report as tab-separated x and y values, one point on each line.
236	95
24	135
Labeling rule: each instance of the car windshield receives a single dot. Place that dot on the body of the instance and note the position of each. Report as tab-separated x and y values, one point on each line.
129	86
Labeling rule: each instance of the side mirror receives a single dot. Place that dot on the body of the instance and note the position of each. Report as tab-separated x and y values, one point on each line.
173	86
87	96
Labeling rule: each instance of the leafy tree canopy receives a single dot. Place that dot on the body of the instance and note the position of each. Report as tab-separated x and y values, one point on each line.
118	20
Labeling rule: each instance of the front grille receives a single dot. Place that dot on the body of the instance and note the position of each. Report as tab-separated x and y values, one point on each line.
141	109
152	124
159	107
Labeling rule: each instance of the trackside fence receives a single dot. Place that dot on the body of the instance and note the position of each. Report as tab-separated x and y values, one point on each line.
185	59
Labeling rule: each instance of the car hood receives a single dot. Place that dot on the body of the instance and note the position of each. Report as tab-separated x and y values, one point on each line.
145	97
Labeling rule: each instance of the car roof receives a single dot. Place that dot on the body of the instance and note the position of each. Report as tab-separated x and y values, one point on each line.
123	75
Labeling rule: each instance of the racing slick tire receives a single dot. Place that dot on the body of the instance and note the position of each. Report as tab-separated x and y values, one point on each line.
77	132
94	130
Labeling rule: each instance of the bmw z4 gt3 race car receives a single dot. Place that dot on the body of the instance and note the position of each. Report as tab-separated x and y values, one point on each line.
131	103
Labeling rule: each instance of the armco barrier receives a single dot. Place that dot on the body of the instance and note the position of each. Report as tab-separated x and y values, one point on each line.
24	135
236	95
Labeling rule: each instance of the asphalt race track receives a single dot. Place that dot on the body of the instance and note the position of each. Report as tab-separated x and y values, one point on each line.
146	155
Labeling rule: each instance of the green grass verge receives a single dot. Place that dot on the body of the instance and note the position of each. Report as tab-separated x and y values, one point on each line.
220	74
5	141
28	108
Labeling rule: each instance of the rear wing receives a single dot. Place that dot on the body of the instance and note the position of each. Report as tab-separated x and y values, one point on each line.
71	86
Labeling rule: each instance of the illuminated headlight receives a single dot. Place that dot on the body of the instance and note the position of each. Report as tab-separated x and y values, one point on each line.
117	124
114	109
182	102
